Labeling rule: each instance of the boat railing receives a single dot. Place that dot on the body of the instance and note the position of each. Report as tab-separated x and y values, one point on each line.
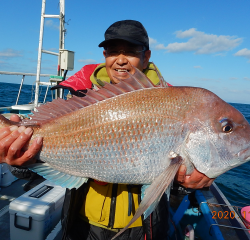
65	62
226	226
49	83
24	109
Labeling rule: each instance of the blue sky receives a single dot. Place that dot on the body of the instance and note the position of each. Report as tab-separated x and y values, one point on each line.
202	43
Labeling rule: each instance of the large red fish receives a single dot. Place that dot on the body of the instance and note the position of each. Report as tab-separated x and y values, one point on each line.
135	132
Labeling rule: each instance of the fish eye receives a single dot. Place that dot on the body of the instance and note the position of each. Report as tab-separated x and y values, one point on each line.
227	128
227	125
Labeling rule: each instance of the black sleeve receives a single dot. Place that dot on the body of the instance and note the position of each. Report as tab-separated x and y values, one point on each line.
21	172
73	201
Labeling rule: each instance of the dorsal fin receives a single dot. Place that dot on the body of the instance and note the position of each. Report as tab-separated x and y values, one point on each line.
60	107
163	83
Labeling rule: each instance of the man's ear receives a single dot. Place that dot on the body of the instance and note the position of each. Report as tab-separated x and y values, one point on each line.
104	53
147	56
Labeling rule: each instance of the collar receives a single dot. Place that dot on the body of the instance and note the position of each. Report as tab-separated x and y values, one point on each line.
100	74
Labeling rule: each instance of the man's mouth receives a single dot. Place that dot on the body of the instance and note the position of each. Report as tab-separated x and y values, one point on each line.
121	70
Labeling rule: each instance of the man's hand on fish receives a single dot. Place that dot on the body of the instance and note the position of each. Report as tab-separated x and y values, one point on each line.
12	151
196	180
13	142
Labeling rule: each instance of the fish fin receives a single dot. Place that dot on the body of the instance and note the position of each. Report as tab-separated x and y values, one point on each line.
140	78
5	122
155	191
163	83
60	107
57	177
152	207
143	190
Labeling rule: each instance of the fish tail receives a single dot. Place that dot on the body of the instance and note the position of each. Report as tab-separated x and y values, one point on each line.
4	122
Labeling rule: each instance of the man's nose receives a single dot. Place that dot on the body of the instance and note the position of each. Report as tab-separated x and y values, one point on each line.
122	59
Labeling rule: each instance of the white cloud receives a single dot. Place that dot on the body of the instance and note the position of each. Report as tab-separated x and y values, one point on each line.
152	41
220	54
8	53
87	61
246	78
197	67
199	42
202	43
243	53
159	46
51	24
233	78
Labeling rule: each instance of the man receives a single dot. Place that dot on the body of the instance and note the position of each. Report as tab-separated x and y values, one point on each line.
98	210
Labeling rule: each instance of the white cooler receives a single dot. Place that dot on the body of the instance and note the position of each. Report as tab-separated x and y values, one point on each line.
34	214
7	178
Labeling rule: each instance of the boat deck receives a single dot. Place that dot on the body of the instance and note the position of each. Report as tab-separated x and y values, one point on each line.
209	213
194	215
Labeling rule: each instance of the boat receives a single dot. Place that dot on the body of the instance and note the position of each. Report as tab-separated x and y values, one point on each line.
14	189
65	64
197	214
204	214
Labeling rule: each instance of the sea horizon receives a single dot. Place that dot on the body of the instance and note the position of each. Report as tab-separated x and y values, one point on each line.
24	84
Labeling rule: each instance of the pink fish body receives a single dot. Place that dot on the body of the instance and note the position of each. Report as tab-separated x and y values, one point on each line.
128	138
133	132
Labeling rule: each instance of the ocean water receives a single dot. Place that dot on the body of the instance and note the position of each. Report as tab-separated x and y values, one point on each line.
9	92
235	184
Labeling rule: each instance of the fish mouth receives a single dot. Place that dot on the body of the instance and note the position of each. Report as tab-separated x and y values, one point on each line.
244	152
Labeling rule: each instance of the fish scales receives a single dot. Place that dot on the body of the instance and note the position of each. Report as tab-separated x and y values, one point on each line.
115	135
140	137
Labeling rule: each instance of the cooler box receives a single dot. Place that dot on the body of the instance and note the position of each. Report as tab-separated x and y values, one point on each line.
34	214
7	178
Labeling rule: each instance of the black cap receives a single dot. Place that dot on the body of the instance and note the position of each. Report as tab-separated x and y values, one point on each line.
128	30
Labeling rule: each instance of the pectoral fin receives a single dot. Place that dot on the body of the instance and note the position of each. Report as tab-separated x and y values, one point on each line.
57	177
155	191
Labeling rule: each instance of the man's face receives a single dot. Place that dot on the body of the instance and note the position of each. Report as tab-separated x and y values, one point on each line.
121	56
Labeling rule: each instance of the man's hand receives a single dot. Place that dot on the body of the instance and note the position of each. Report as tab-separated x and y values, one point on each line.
12	145
196	180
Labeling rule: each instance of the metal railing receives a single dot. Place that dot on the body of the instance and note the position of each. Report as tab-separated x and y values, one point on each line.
22	81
